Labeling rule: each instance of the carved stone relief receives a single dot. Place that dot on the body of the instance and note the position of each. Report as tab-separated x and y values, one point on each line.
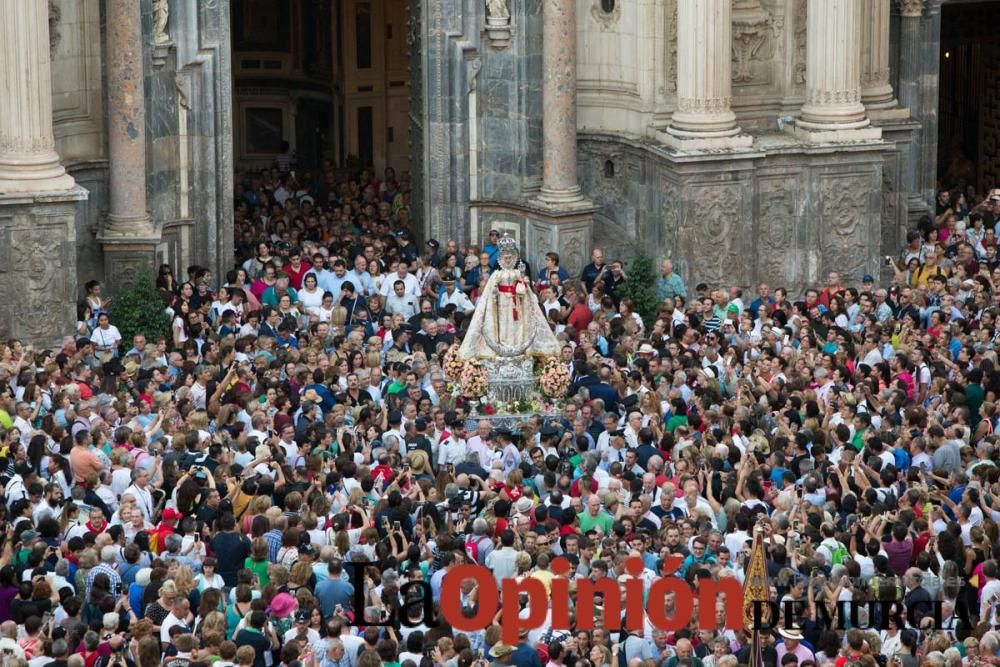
671	10
843	224
55	15
799	67
711	233
776	220
752	42
607	21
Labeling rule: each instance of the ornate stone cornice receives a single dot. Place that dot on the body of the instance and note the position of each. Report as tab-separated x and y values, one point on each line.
910	7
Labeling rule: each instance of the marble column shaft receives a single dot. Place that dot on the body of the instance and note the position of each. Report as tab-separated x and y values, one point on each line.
559	183
910	52
28	159
833	66
127	216
704	69
876	91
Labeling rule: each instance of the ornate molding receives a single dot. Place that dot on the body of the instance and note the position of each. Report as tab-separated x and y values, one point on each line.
607	21
704	104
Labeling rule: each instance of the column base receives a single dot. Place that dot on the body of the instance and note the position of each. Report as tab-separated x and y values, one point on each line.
567	232
127	228
562	199
888	111
38	260
686	140
831	133
126	260
31	176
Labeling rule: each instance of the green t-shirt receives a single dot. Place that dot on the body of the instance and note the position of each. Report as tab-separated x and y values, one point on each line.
603	520
675	421
260	569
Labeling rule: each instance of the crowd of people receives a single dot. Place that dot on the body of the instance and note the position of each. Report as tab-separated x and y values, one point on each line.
264	486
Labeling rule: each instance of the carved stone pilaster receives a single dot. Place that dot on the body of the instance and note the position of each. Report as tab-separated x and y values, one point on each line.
910	7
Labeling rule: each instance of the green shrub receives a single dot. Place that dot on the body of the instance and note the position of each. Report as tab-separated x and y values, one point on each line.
640	286
138	309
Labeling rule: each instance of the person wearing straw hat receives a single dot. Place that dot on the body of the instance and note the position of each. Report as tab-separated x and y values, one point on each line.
792	643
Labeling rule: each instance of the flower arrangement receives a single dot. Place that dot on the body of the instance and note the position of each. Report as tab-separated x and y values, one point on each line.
554	379
473	380
453	366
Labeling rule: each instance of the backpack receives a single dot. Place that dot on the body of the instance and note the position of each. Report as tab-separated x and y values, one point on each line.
837	554
840	554
472	547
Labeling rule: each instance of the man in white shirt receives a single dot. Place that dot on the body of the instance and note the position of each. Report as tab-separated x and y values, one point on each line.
141	492
455	297
287	442
479	443
199	390
401	302
177	616
410	282
502	561
452	447
50	504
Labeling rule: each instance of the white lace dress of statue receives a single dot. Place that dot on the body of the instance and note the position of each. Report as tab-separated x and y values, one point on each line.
508	320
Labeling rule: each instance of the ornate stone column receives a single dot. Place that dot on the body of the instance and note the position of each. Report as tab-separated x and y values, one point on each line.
38	199
28	159
833	110
876	90
559	184
128	236
704	117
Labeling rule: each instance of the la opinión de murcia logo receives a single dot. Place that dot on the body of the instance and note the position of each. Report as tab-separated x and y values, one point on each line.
628	610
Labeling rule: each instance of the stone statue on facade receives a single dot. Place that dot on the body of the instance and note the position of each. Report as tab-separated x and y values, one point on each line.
161	16
496	10
508	321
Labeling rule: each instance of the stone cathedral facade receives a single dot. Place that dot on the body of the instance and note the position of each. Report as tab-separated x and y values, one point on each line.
747	139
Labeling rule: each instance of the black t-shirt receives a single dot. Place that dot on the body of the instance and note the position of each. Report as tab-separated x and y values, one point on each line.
260	643
24	609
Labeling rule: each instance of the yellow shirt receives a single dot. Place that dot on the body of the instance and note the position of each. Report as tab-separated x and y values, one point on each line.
546	578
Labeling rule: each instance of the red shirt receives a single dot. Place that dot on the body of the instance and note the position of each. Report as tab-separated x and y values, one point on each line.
579	317
295	277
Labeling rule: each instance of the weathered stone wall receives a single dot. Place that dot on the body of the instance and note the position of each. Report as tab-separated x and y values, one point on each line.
189	124
784	212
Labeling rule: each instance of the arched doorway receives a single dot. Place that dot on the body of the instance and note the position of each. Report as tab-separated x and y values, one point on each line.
320	82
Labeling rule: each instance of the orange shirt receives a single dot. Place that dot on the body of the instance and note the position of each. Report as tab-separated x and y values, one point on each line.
84	462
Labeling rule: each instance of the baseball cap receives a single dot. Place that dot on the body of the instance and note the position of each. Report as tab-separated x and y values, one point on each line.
170	514
867	279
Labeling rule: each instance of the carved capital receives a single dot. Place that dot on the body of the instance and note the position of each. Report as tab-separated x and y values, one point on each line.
910	7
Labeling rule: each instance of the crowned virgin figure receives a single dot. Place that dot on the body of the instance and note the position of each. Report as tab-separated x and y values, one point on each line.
508	320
